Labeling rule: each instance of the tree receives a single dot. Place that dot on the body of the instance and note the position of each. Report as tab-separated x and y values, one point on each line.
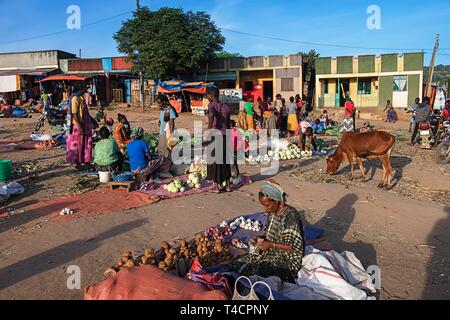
169	42
309	61
226	54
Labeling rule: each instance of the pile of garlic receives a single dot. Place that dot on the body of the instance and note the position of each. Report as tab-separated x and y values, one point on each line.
246	224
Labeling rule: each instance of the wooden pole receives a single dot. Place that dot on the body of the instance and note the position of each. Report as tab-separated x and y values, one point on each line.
432	66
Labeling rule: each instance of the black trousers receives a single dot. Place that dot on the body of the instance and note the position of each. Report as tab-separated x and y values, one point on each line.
415	132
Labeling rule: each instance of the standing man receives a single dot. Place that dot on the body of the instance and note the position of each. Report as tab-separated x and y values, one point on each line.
423	114
167	118
413	110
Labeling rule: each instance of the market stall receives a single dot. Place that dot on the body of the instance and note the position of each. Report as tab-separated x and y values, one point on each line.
191	95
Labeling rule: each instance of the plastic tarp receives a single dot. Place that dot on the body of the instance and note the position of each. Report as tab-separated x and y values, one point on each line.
193	87
150	283
336	276
10	189
64	77
9	83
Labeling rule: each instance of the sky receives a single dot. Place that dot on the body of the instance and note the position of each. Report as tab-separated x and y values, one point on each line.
406	25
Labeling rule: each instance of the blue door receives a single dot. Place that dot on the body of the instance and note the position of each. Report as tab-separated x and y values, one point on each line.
127	90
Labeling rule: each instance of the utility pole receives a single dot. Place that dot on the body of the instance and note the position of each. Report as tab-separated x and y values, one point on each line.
432	66
79	55
141	78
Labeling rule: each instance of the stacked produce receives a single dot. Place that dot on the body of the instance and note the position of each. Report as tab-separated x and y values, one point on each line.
194	182
175	186
289	153
208	251
195	179
211	253
241	222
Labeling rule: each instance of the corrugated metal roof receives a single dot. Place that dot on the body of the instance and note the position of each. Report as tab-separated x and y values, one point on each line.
30	72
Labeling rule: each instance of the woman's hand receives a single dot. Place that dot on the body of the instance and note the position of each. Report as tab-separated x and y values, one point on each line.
266	245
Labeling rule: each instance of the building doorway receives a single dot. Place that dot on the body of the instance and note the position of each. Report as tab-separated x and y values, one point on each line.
342	89
268	89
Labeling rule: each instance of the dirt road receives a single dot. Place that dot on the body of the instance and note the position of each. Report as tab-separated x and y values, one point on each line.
404	231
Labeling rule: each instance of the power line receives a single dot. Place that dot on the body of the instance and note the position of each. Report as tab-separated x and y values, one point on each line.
66	30
324	44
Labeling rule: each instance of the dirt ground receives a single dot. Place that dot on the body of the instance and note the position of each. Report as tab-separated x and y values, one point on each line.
404	231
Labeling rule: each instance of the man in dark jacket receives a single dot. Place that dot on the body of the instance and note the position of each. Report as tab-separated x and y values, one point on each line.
423	113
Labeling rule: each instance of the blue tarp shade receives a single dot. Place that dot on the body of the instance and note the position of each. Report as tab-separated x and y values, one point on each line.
107	64
181	86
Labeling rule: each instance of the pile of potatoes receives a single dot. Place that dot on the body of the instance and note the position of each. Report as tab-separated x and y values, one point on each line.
208	252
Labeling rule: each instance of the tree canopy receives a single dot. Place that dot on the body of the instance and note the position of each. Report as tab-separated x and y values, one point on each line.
226	54
169	42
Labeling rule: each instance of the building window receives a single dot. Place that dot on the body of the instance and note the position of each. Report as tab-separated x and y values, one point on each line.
287	84
364	86
400	83
248	86
326	86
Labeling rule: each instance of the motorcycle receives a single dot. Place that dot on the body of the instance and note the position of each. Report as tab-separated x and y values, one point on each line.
443	149
438	130
53	116
431	133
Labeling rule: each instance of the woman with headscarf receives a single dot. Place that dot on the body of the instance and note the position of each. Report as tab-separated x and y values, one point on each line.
142	161
283	247
79	133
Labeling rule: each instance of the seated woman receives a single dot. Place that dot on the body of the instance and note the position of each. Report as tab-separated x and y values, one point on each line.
122	131
283	247
142	162
107	156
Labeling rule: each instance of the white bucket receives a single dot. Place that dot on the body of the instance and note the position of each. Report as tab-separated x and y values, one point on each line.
105	177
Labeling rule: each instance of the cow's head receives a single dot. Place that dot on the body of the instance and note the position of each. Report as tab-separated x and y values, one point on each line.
333	164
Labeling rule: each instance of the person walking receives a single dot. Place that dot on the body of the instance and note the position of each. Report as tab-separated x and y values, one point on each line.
389	109
219	163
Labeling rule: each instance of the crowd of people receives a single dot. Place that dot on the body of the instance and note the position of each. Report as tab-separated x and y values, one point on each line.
289	118
118	143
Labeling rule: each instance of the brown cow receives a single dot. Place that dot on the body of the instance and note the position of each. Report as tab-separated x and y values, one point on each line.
368	145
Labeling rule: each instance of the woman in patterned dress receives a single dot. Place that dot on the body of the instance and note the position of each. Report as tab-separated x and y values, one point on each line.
283	247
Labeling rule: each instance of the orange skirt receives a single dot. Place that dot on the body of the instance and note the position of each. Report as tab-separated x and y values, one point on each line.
250	122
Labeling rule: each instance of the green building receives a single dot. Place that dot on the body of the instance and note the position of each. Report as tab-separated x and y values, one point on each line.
370	80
